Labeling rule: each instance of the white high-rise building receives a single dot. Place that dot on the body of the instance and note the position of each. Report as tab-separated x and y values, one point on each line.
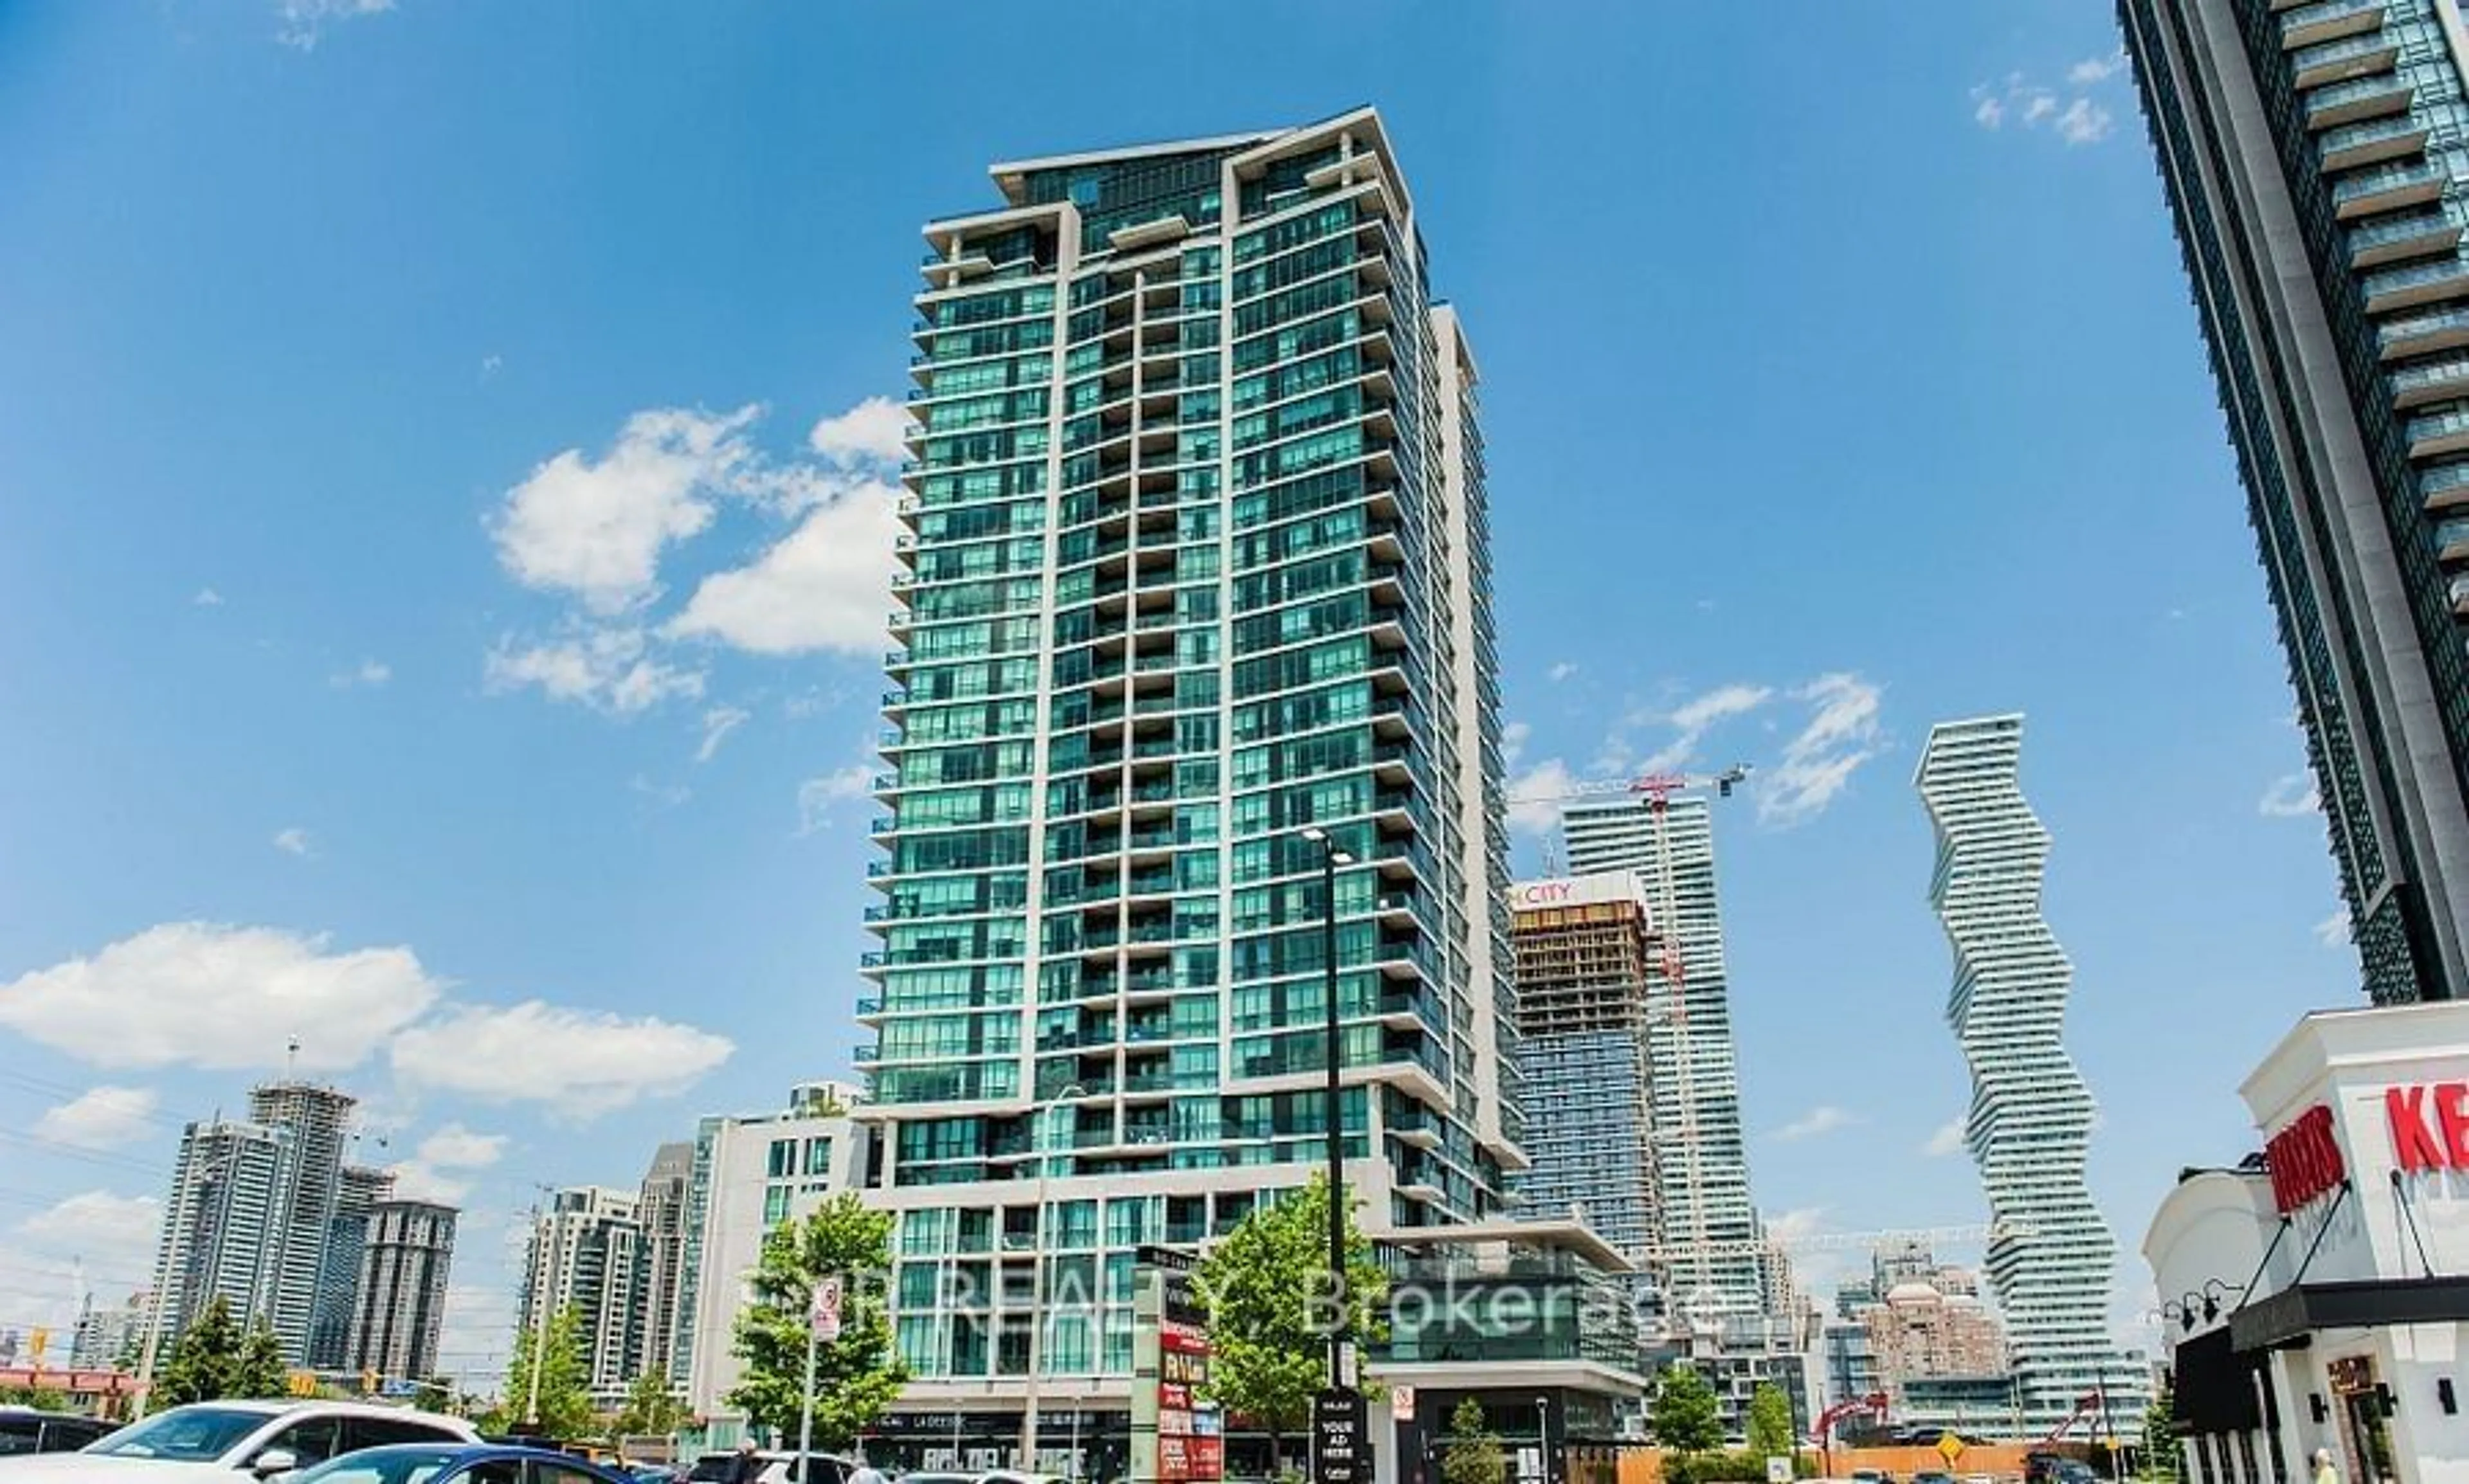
587	1254
749	1176
2052	1261
1707	1226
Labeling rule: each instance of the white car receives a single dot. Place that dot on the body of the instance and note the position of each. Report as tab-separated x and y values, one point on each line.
259	1438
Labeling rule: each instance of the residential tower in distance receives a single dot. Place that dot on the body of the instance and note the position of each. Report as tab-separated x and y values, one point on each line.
2051	1257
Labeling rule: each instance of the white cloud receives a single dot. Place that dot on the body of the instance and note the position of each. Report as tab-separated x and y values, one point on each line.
1696	716
824	587
2096	69
208	597
368	672
2292	796
1561	671
816	795
302	21
2333	932
2085	121
612	669
668	796
596	530
1789	1228
2075	114
100	1118
869	432
717	724
294	841
1514	738
578	1064
491	364
427	1174
1945	1140
1535	797
94	1240
1824	1119
1842	733
220	997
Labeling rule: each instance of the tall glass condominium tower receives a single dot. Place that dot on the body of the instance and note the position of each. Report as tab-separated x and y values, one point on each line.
2052	1259
1198	562
1711	1250
2318	158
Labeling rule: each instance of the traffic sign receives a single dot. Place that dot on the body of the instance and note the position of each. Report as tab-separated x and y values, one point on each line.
826	1315
1949	1446
1339	1454
1401	1403
1778	1469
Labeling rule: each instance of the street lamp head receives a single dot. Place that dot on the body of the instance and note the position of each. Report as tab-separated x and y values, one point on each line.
1340	858
1315	834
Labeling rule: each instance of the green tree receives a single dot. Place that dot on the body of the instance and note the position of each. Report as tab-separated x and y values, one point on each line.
1685	1419
41	1399
1270	1308
2161	1459
259	1371
651	1409
204	1362
1769	1422
858	1376
1475	1454
564	1395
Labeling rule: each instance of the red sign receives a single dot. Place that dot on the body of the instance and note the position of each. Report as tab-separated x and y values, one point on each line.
2305	1160
2430	1126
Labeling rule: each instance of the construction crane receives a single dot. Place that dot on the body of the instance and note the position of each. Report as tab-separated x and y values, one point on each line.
1657	790
1821	1241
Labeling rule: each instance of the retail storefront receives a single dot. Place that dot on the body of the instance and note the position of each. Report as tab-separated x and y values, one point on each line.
2317	1296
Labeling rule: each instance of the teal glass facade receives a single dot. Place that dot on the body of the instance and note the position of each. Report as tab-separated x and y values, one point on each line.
1194	562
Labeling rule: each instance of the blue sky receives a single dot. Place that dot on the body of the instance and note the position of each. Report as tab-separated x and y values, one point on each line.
439	504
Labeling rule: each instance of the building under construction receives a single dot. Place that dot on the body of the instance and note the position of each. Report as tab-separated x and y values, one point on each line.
1583	947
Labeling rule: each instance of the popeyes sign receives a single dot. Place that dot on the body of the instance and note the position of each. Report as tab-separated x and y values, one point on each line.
2305	1160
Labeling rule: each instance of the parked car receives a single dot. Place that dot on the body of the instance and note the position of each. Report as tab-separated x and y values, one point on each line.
779	1468
26	1430
264	1438
458	1463
1933	1476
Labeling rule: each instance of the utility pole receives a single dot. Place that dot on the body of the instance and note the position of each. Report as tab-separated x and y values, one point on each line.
540	1301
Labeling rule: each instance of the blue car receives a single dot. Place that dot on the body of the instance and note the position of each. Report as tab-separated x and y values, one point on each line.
456	1463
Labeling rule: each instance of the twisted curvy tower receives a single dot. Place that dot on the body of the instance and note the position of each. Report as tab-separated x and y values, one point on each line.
2031	1116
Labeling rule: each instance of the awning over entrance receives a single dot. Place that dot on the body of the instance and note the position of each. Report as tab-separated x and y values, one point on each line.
2215	1386
2289	1317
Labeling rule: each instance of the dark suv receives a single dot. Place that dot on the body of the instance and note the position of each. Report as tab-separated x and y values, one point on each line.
25	1431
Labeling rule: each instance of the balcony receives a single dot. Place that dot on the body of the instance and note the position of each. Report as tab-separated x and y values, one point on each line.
2452	542
2377	243
2372	141
2330	20
2444	432
2412	184
2442	330
2368	97
2444	487
2342	61
2415	386
2423	283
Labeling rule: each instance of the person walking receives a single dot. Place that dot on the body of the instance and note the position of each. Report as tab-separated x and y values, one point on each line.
745	1468
2325	1471
867	1473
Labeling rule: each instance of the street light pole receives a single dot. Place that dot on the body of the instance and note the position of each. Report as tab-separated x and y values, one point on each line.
1331	1100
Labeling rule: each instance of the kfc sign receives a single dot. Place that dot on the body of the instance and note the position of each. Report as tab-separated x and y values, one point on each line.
2429	1126
2305	1161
